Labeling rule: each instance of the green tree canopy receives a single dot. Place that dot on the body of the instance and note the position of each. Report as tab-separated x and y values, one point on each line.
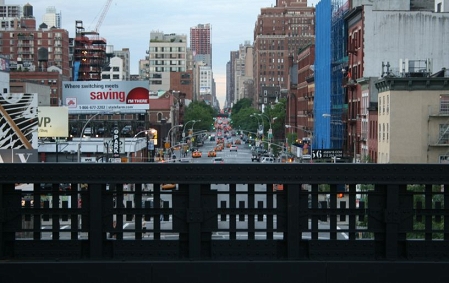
199	110
241	104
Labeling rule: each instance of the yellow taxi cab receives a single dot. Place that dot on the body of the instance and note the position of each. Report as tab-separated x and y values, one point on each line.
218	148
278	187
211	153
168	186
228	145
238	142
196	154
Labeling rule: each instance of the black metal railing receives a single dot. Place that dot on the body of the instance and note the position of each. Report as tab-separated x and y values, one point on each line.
281	213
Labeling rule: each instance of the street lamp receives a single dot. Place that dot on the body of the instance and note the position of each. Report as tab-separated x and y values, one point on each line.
259	130
184	128
270	133
169	131
147	132
175	108
193	124
82	132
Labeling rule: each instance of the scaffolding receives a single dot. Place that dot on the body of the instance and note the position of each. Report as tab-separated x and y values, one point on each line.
89	54
339	60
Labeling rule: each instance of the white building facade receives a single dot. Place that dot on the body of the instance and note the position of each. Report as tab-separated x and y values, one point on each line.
167	53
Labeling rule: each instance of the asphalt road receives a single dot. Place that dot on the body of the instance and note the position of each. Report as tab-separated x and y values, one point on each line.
243	155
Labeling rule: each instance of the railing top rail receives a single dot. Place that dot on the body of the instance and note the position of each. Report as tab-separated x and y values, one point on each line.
225	173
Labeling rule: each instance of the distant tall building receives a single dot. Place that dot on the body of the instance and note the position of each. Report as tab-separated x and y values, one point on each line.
124	54
9	15
239	73
230	79
90	54
167	53
39	56
51	18
200	43
114	72
279	34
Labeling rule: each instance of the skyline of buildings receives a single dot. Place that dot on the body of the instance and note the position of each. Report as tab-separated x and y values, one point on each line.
328	81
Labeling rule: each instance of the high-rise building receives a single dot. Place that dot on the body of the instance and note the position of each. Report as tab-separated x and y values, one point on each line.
200	43
279	33
51	18
167	53
39	56
124	54
230	79
242	66
114	72
9	15
90	54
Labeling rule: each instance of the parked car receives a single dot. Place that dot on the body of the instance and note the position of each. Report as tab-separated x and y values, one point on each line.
87	131
127	131
218	160
267	159
101	130
74	131
65	186
184	160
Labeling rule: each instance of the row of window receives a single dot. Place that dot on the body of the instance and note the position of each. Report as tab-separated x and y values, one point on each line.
166	69
443	136
167	49
167	62
384	104
57	35
108	77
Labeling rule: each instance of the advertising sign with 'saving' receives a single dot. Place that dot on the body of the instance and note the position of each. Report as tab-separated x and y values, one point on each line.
90	96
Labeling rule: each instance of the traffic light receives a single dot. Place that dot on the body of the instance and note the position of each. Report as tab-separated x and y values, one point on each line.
340	195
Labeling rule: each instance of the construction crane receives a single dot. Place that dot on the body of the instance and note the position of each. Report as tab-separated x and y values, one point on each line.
103	15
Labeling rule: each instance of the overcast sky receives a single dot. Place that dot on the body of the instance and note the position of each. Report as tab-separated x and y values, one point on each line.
128	24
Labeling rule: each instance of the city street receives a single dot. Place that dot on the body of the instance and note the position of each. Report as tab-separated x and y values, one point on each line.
243	155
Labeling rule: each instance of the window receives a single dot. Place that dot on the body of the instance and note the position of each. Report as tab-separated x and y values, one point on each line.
159	116
116	77
444	104
444	134
388	104
115	69
105	77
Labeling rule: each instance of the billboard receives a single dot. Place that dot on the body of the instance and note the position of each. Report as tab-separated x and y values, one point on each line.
53	121
94	96
18	155
18	123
